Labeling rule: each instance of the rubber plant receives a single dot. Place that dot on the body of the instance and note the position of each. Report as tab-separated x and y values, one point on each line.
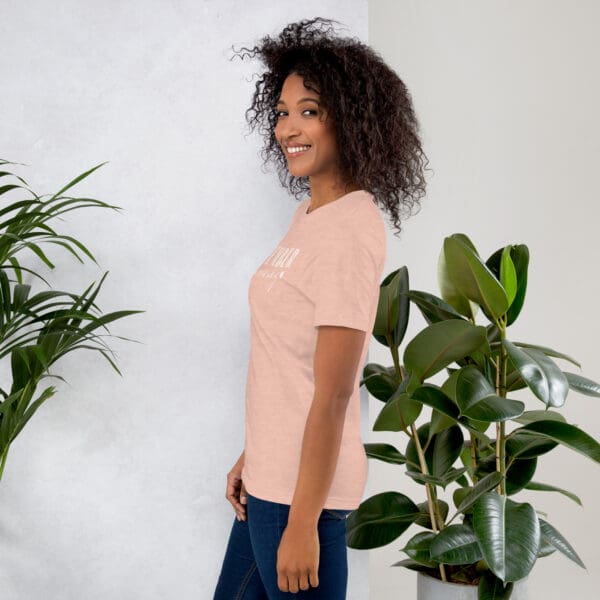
37	329
475	437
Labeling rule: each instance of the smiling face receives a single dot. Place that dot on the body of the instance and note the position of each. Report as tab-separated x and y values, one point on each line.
302	122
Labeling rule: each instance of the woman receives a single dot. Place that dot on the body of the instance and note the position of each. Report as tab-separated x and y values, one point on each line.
338	124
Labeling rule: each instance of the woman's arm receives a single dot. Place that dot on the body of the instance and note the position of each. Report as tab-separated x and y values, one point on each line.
337	354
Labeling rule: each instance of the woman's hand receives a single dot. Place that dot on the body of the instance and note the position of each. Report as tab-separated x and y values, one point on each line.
298	559
236	492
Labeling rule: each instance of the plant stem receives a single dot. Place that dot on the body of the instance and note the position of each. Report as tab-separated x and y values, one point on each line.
473	458
400	372
431	496
501	456
501	426
436	505
432	503
396	358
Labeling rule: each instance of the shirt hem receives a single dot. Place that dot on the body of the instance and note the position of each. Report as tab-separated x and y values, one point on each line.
333	502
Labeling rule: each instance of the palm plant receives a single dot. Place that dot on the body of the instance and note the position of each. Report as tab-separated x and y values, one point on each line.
489	539
38	329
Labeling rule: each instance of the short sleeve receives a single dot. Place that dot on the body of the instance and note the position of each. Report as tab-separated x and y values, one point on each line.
345	277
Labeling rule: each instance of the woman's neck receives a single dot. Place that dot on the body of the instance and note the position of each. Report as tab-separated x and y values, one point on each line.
325	194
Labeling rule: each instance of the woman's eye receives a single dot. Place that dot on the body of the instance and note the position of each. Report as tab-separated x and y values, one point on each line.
308	110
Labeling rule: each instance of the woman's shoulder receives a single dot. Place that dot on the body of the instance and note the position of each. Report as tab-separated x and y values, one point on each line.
364	214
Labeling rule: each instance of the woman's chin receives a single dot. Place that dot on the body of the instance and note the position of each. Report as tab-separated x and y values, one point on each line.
298	172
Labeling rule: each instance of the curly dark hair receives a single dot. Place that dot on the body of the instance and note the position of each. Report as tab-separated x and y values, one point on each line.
376	128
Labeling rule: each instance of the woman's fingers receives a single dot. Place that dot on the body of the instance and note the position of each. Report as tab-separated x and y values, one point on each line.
240	508
234	486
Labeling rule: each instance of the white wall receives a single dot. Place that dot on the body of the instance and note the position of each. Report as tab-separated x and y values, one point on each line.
115	489
508	96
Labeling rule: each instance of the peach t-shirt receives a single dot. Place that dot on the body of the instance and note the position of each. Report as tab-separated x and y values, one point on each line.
325	271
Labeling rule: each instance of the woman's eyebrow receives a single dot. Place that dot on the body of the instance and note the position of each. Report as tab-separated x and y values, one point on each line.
280	101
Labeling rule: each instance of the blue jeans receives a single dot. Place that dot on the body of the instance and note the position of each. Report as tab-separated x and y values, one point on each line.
249	570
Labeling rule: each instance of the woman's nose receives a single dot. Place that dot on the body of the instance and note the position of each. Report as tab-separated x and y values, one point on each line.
288	127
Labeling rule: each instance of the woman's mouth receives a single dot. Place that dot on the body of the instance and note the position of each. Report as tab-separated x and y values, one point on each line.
296	150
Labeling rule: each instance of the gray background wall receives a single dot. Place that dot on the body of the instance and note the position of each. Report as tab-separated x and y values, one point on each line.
116	487
508	96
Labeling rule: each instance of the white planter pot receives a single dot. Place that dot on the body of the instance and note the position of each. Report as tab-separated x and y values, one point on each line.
429	588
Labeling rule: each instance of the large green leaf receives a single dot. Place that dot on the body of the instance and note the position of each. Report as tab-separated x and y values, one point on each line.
399	412
432	308
458	495
445	450
409	563
440	344
554	537
403	307
445	412
379	520
477	401
424	519
508	534
519	472
385	452
526	444
495	409
418	546
456	545
549	352
450	476
380	381
471	385
567	435
393	308
544	487
541	374
439	421
486	484
492	588
519	255
546	548
449	289
508	275
440	453
450	389
473	279
583	385
433	396
529	416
